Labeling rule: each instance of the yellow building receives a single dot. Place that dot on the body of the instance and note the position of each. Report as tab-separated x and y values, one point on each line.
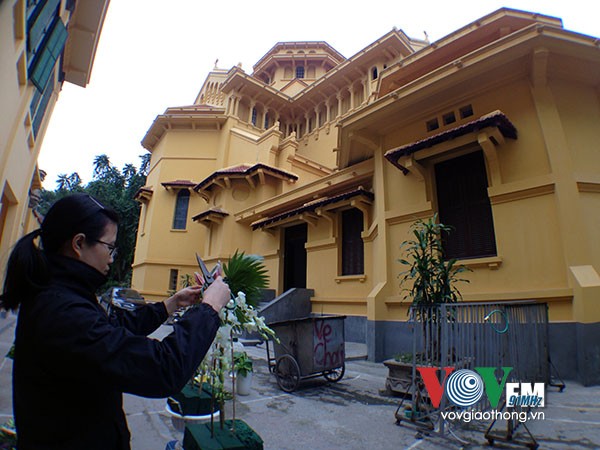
321	163
42	44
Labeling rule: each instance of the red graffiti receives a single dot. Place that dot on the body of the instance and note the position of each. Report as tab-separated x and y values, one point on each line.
327	354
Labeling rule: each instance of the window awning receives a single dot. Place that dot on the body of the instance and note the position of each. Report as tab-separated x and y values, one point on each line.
312	206
211	215
178	184
243	171
494	119
143	194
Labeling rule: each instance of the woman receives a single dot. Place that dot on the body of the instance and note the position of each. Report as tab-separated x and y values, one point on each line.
72	362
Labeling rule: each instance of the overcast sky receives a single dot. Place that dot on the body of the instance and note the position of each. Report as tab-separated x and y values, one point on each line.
155	54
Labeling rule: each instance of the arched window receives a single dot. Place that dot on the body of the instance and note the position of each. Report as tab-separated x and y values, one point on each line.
181	209
254	116
300	72
374	73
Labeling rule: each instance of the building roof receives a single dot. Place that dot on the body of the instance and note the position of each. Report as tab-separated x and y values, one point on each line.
242	171
84	28
191	117
493	119
311	206
482	32
327	50
178	184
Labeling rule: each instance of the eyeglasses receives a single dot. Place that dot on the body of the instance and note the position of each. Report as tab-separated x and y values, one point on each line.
111	248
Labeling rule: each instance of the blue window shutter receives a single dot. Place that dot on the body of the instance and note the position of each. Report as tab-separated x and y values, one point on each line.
40	109
46	58
40	22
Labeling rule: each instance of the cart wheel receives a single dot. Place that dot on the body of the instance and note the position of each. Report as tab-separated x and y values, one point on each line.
335	375
287	373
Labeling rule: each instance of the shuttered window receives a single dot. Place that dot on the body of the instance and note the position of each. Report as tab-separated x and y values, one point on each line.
464	204
39	104
40	19
181	210
352	244
173	275
47	54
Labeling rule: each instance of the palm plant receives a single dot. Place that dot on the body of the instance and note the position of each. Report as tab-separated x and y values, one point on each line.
246	273
433	277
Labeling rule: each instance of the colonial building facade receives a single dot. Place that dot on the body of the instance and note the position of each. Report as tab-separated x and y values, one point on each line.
321	163
43	43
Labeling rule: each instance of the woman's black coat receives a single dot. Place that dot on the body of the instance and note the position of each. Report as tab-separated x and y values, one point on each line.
72	362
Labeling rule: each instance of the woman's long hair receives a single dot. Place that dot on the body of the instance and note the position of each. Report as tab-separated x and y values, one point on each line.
27	270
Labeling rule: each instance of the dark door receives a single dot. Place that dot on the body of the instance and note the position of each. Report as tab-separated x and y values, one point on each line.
294	257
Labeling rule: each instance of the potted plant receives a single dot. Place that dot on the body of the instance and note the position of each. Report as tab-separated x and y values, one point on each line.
243	273
242	365
432	280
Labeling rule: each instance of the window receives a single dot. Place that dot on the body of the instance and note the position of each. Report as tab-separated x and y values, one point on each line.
39	104
466	111
464	204
266	121
352	244
181	209
374	74
40	19
173	275
47	54
300	72
254	115
449	118
432	125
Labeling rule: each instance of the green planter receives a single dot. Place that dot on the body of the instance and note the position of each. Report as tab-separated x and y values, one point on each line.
199	437
193	401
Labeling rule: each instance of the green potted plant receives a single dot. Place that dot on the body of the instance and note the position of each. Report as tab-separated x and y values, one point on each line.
242	365
245	274
432	279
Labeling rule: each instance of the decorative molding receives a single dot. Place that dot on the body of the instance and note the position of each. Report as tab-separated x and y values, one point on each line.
520	190
586	186
344	278
422	211
352	301
492	262
370	234
323	244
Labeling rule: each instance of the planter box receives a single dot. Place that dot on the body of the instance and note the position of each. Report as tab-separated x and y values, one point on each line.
193	401
399	379
198	437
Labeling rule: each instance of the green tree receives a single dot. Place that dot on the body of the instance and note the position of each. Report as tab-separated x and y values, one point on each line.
116	189
432	278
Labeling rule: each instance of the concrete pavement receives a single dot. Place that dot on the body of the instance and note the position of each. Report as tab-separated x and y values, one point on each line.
349	414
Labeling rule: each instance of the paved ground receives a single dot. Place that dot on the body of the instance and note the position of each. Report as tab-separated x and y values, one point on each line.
349	414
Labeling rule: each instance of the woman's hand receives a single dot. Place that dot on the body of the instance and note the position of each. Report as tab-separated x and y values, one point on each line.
217	294
183	298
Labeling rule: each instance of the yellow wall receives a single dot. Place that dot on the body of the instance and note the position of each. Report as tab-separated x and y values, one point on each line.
543	186
19	145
